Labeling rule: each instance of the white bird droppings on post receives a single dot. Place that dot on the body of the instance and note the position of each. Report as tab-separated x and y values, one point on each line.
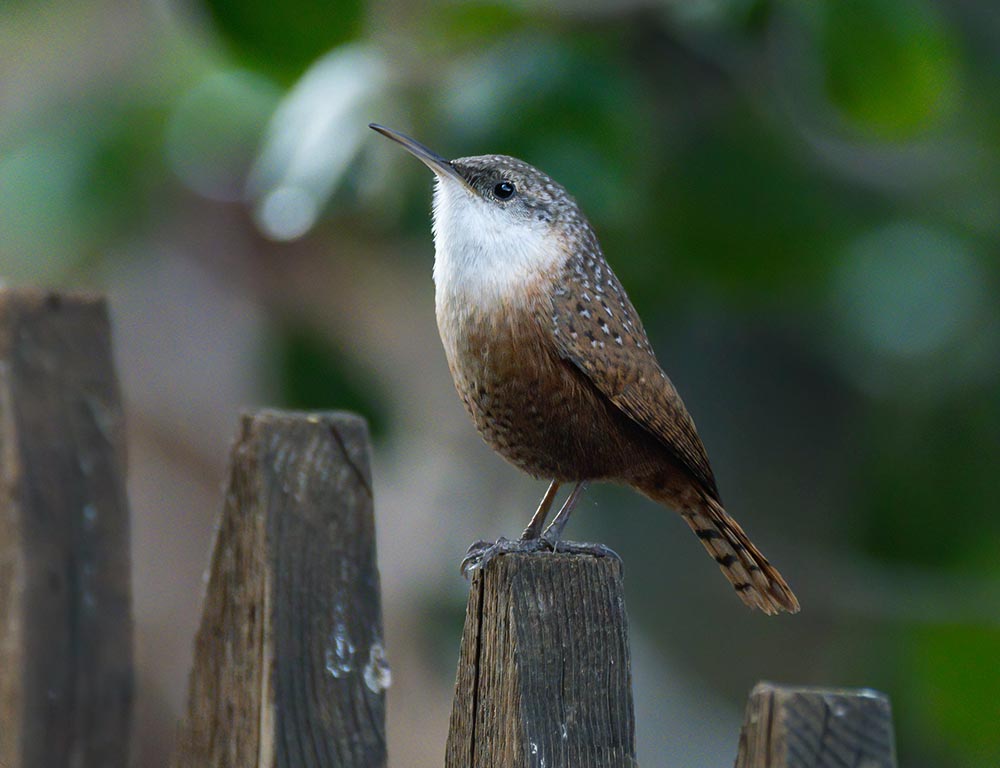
378	674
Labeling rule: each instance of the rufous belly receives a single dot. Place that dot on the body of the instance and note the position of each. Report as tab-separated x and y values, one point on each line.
537	410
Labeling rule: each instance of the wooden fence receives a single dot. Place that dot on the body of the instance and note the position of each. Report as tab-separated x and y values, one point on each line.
289	662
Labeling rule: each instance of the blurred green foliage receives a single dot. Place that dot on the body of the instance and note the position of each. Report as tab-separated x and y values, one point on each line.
315	375
741	214
282	39
954	689
805	194
889	64
927	465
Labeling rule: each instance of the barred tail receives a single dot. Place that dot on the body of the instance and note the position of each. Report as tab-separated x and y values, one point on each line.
755	580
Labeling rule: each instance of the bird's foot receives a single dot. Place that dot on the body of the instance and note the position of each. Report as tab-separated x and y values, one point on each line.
481	552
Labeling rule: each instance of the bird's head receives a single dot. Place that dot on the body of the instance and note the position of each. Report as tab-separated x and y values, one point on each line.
495	211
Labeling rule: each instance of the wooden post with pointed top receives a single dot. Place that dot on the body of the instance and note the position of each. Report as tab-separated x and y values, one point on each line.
544	674
289	665
65	599
794	727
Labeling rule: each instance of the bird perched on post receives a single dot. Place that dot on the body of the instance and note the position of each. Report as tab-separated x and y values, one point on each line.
553	364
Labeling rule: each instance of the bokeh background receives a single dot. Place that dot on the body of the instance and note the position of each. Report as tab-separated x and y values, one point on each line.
801	198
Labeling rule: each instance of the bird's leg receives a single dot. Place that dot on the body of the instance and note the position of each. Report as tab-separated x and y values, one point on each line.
482	552
554	532
534	529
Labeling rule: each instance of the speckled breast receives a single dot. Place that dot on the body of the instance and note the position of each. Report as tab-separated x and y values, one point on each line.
531	406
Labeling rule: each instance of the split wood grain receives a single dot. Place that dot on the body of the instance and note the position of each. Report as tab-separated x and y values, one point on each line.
544	675
790	727
289	665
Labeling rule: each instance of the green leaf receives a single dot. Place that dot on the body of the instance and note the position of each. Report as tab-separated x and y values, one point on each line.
283	38
889	64
462	24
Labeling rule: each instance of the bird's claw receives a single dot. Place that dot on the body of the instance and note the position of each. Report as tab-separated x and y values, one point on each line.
481	552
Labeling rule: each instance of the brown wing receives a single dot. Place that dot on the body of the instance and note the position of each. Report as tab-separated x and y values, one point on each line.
597	329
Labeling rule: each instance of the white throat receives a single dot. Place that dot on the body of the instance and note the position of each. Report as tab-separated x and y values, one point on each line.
483	256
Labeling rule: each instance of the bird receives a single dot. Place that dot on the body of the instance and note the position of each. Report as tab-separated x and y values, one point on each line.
554	366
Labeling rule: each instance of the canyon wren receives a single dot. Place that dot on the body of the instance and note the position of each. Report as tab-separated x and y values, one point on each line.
553	363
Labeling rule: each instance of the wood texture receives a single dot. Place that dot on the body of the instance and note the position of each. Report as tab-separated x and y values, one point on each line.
65	620
544	675
789	727
289	666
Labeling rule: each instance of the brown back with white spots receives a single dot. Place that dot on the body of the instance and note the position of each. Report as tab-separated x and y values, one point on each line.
596	328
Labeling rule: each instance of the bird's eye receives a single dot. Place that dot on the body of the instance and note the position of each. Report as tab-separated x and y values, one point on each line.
503	190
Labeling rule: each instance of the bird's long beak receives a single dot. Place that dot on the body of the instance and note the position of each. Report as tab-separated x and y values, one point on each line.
439	165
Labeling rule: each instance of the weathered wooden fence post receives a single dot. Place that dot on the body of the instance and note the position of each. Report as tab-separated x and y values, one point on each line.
790	727
544	675
65	615
289	667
